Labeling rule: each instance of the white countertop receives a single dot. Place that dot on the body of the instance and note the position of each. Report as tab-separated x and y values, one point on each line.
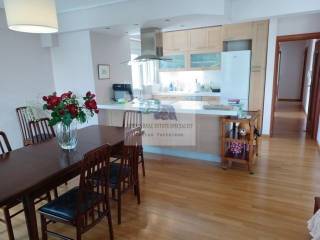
188	94
190	107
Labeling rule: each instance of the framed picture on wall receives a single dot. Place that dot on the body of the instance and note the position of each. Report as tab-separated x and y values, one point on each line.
103	71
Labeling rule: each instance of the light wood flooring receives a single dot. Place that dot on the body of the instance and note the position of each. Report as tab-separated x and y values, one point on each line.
197	200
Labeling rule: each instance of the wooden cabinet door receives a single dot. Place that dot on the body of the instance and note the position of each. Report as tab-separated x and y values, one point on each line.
175	41
215	43
198	39
168	42
240	31
180	40
259	45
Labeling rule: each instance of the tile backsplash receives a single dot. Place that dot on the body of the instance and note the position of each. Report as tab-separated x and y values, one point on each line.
189	81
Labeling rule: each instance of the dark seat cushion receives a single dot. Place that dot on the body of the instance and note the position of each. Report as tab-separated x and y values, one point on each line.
114	173
65	206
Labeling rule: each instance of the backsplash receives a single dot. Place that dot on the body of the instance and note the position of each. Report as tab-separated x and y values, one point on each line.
189	81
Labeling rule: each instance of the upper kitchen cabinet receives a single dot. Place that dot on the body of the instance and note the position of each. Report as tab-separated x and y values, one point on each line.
177	62
205	61
240	31
206	39
215	39
175	41
259	45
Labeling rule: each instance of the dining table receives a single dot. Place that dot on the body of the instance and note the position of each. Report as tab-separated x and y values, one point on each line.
29	172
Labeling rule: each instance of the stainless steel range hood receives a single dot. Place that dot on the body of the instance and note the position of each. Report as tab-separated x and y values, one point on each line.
151	45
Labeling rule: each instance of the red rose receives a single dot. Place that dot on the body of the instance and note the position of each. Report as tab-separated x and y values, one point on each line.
88	94
96	111
61	112
66	95
91	104
73	110
45	98
54	101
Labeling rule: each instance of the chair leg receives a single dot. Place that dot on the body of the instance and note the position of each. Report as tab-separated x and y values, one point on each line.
78	233
110	224
119	205
44	228
55	192
137	191
8	223
142	162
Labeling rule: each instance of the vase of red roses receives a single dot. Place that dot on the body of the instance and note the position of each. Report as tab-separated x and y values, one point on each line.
66	111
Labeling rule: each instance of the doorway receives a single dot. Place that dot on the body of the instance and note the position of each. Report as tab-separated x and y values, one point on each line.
296	93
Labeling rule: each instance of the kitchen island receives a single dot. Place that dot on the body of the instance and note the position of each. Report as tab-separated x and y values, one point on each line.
201	142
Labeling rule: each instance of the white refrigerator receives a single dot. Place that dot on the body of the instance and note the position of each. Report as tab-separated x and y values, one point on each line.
235	84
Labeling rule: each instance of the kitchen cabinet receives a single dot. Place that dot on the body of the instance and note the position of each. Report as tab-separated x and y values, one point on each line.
205	61
258	65
240	31
198	39
175	41
215	43
177	62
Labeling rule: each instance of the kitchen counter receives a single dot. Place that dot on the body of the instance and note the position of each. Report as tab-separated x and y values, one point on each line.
184	107
204	136
187	94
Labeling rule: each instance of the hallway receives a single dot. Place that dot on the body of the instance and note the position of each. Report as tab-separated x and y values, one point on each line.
290	120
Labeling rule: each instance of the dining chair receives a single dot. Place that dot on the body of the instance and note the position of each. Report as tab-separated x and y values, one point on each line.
84	206
5	148
24	119
124	174
133	119
41	131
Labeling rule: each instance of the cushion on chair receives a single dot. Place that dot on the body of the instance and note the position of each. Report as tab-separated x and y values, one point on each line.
65	206
114	173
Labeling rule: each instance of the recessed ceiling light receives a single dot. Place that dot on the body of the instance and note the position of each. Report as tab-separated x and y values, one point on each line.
167	20
182	25
136	24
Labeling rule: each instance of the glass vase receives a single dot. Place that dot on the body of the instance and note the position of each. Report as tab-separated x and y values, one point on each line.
67	135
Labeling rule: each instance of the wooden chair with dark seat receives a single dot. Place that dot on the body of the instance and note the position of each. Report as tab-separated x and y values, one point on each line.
133	119
24	119
124	175
41	131
84	206
5	148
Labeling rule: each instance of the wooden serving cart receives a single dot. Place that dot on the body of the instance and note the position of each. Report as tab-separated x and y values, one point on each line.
240	139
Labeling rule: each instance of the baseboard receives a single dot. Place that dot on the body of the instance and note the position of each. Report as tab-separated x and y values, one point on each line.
182	153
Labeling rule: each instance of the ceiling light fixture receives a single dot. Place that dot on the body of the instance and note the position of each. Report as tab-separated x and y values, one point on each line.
32	16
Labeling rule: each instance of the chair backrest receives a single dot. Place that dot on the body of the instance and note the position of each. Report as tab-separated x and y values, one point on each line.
130	157
41	131
24	119
94	166
4	144
132	119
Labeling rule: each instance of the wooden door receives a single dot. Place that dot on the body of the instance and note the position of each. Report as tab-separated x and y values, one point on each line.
314	102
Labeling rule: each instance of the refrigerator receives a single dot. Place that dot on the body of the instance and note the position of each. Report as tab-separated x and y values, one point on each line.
235	84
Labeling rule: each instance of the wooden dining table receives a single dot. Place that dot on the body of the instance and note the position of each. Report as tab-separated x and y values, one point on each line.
29	172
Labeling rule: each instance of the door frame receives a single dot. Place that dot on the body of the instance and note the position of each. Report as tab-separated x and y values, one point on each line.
280	39
304	68
314	105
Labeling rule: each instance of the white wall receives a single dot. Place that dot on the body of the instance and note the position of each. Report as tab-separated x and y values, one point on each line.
72	64
291	67
111	50
308	75
283	26
26	75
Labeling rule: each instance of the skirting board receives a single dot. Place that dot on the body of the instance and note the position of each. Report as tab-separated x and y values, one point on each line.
182	153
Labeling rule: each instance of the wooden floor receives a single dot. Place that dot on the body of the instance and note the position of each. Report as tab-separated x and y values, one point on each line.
197	200
290	120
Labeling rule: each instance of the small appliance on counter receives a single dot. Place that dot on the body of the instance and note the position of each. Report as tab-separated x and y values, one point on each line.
122	93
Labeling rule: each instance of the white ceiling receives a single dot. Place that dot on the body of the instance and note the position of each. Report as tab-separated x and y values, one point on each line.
74	5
